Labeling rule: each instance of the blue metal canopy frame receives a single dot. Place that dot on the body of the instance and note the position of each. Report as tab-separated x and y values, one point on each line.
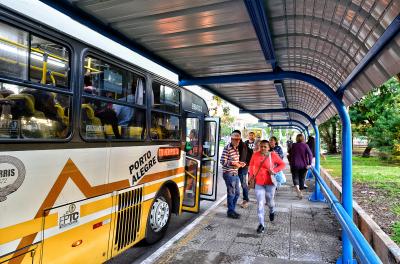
290	121
391	31
298	128
316	196
347	188
259	19
67	8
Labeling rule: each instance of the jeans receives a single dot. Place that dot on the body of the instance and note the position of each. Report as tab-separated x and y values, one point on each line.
265	192
233	192
243	181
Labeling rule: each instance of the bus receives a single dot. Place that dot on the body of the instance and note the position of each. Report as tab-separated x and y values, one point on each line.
96	153
258	131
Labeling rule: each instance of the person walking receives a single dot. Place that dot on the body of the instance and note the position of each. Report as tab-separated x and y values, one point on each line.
289	144
230	164
245	153
273	143
256	145
311	145
263	166
300	158
242	172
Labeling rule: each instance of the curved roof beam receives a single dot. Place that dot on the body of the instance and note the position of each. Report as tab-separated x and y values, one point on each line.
392	30
259	19
267	76
319	38
290	121
318	53
390	33
364	14
298	128
283	110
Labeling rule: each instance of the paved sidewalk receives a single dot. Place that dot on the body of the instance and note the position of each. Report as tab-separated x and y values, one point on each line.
303	232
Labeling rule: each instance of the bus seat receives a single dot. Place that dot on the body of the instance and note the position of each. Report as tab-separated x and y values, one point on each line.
88	112
109	131
61	113
24	109
156	133
135	132
88	118
5	93
24	106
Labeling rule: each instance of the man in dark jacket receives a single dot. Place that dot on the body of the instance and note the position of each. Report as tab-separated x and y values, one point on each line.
245	153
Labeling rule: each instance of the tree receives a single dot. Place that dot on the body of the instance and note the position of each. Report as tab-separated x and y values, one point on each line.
328	132
221	109
376	117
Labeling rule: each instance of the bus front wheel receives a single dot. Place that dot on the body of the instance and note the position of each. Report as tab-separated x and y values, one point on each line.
158	219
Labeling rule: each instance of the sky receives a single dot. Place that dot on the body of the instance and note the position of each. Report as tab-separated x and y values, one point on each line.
53	18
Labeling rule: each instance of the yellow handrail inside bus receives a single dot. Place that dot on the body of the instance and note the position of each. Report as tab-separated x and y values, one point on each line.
33	49
44	70
58	74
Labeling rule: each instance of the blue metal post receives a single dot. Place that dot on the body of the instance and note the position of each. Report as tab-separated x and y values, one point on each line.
347	188
317	195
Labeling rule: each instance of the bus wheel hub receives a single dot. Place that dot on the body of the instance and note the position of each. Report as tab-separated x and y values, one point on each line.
159	214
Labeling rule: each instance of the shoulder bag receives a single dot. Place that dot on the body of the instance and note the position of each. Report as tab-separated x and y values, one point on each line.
252	180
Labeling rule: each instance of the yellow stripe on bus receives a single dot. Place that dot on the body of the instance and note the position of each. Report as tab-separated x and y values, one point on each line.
20	230
14	232
96	206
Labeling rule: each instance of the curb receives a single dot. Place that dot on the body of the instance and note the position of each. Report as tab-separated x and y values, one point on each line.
153	257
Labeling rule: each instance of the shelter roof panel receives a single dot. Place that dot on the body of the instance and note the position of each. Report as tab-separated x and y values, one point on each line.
327	39
299	118
270	116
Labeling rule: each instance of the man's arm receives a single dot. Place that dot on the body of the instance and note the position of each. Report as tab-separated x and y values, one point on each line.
309	155
224	157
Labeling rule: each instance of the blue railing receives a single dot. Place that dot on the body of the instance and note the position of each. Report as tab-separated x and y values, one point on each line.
363	249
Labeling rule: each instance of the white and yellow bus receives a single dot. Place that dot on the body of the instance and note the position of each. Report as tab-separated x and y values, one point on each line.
95	152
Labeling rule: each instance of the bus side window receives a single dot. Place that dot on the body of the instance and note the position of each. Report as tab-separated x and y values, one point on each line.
164	126
165	122
49	63
120	116
14	52
33	114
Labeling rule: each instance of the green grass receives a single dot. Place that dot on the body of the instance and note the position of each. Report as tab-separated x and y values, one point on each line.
379	173
396	232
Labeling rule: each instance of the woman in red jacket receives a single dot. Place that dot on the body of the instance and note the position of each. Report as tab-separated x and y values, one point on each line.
263	164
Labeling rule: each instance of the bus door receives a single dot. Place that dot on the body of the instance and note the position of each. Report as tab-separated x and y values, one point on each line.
209	161
193	148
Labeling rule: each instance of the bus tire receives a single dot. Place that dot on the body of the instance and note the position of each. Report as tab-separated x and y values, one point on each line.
159	216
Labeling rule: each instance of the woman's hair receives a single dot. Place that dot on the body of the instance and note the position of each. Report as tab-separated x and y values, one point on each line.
194	133
275	139
299	138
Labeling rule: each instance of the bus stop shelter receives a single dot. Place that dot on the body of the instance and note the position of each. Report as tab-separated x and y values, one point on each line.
299	61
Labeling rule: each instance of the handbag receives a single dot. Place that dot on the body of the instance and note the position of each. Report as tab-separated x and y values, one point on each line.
277	178
252	180
280	177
